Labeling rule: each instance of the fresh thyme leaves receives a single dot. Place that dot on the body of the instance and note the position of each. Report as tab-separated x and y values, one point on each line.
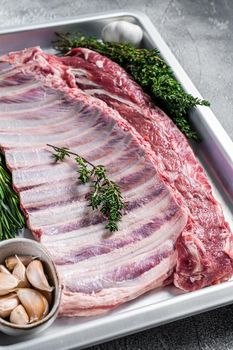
61	154
149	70
11	218
106	195
83	171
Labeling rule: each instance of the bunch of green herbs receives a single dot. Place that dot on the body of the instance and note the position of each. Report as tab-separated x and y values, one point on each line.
11	218
149	70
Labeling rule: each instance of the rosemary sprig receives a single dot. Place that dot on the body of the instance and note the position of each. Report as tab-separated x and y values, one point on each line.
106	194
11	218
149	70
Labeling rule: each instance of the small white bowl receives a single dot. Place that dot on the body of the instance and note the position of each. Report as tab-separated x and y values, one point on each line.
23	246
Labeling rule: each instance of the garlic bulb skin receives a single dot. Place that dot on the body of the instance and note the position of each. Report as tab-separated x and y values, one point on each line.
122	32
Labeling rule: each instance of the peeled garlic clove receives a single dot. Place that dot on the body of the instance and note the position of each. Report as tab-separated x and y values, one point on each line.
11	261
36	276
7	304
19	315
7	283
33	302
4	269
20	273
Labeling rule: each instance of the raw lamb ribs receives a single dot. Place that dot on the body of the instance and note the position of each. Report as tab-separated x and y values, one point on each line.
99	270
172	222
205	247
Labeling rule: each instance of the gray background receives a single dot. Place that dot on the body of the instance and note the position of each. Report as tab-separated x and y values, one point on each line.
200	34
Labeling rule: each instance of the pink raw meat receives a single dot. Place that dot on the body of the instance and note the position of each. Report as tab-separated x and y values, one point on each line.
99	271
205	252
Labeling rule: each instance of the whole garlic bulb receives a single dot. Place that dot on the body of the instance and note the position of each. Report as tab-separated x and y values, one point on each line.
122	32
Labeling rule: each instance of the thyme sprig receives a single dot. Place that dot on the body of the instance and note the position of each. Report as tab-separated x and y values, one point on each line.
11	218
106	194
149	70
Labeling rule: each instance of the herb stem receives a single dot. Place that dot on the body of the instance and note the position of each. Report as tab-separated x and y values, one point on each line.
57	149
106	194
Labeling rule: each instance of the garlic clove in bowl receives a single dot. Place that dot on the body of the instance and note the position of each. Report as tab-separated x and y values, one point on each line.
48	296
19	316
28	247
7	304
19	272
33	302
36	276
8	283
12	261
